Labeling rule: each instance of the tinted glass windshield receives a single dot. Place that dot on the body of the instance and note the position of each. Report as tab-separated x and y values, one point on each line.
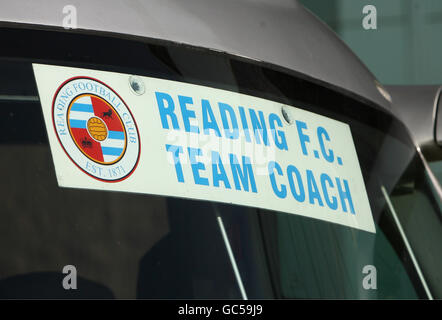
126	245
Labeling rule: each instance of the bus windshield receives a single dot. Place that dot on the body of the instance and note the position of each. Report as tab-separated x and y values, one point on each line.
128	245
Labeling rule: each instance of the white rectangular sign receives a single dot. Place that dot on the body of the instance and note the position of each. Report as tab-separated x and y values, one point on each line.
116	132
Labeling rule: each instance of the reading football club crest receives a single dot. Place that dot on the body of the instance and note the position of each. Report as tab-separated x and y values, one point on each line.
96	129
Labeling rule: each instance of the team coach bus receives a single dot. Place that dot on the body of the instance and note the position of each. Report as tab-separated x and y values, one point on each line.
205	149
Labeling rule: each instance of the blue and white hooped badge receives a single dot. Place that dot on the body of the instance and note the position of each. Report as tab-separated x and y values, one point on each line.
96	129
